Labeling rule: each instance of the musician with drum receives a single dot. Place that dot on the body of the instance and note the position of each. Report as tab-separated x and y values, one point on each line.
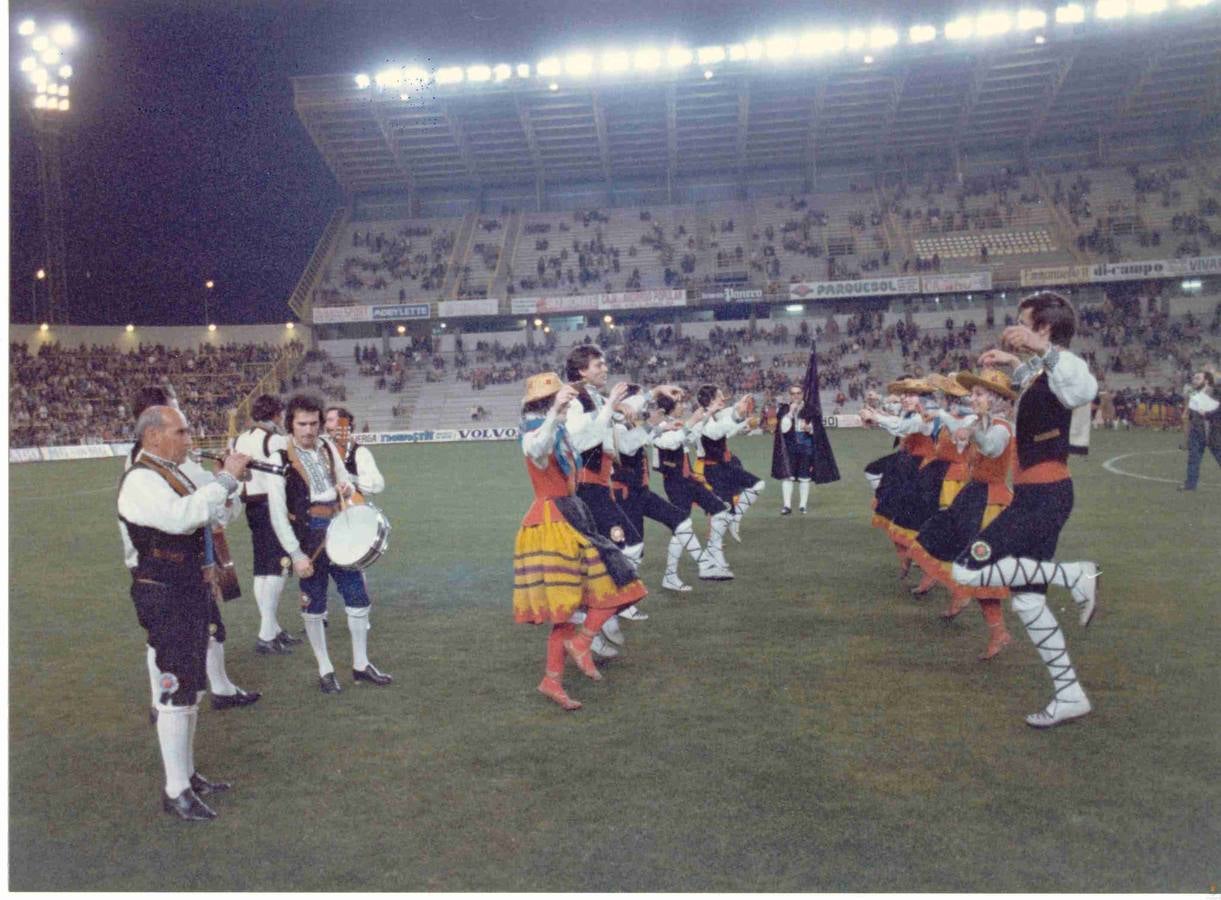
315	490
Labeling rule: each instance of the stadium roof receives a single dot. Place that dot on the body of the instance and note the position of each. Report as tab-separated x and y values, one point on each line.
749	115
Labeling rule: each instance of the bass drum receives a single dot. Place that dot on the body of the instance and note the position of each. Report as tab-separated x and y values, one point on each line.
357	537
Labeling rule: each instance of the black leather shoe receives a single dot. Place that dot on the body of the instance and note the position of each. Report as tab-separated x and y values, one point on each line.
152	715
229	701
785	511
270	648
371	675
187	806
203	787
329	684
287	640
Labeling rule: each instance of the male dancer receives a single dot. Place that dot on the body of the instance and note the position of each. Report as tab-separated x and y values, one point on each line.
672	438
264	438
357	459
1018	549
724	472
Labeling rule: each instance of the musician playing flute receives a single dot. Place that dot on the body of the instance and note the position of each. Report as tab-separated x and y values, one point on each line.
225	694
165	519
302	505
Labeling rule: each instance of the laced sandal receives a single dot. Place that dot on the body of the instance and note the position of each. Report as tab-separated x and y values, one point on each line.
583	660
996	644
552	689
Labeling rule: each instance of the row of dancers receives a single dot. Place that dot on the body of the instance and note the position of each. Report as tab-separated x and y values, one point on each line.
978	490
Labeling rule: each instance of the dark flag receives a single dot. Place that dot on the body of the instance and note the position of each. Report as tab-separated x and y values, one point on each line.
824	470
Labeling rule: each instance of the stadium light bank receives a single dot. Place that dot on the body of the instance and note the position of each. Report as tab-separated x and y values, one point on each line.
44	63
781	48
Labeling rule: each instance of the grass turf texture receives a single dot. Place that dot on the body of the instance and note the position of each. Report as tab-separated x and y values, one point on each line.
808	727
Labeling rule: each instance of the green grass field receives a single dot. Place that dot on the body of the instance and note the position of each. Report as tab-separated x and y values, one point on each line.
808	727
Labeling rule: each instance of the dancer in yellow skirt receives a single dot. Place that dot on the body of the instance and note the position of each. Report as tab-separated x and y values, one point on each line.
561	565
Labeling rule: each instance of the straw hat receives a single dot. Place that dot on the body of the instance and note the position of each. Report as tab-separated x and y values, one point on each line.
544	384
946	384
992	379
909	386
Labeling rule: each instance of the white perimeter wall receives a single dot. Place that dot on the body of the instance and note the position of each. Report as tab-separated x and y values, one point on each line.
181	337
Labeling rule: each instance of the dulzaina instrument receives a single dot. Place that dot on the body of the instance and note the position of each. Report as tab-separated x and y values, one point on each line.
224	575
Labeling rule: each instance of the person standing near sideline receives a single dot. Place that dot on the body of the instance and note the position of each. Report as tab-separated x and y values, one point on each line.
1203	427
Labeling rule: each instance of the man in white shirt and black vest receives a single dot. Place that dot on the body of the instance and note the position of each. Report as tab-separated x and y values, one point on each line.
1203	427
165	520
264	438
1018	549
302	506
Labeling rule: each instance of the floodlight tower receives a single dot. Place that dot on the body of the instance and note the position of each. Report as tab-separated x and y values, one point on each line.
47	70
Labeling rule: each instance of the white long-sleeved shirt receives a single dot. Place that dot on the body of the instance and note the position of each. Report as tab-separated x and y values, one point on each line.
250	442
587	430
903	425
146	499
322	490
629	440
1068	376
991	437
722	424
538	443
1201	403
368	478
791	420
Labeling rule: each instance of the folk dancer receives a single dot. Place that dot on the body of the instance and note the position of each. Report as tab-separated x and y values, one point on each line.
723	471
672	442
302	504
1018	549
990	458
225	694
261	441
562	564
630	484
912	432
165	521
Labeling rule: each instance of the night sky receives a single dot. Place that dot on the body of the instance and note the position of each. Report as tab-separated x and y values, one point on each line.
184	160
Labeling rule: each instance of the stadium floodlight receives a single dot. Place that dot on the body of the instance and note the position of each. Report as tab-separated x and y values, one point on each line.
1039	39
737	52
130	328
29	64
415	76
64	105
857	39
579	64
868	60
549	67
63	35
794	308
554	86
40	102
615	61
1031	18
754	49
26	28
647	59
41	42
679	57
990	24
1070	14
212	326
1194	4
818	43
388	78
781	47
450	75
402	329
44	327
921	34
51	56
290	325
479	73
538	323
708	73
51	88
362	81
523	70
960	29
39	76
707	56
1148	7
1111	9
502	72
882	38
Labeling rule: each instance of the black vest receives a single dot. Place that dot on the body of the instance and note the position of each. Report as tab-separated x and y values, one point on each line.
1042	425
716	450
671	461
591	458
167	558
631	468
349	461
297	492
